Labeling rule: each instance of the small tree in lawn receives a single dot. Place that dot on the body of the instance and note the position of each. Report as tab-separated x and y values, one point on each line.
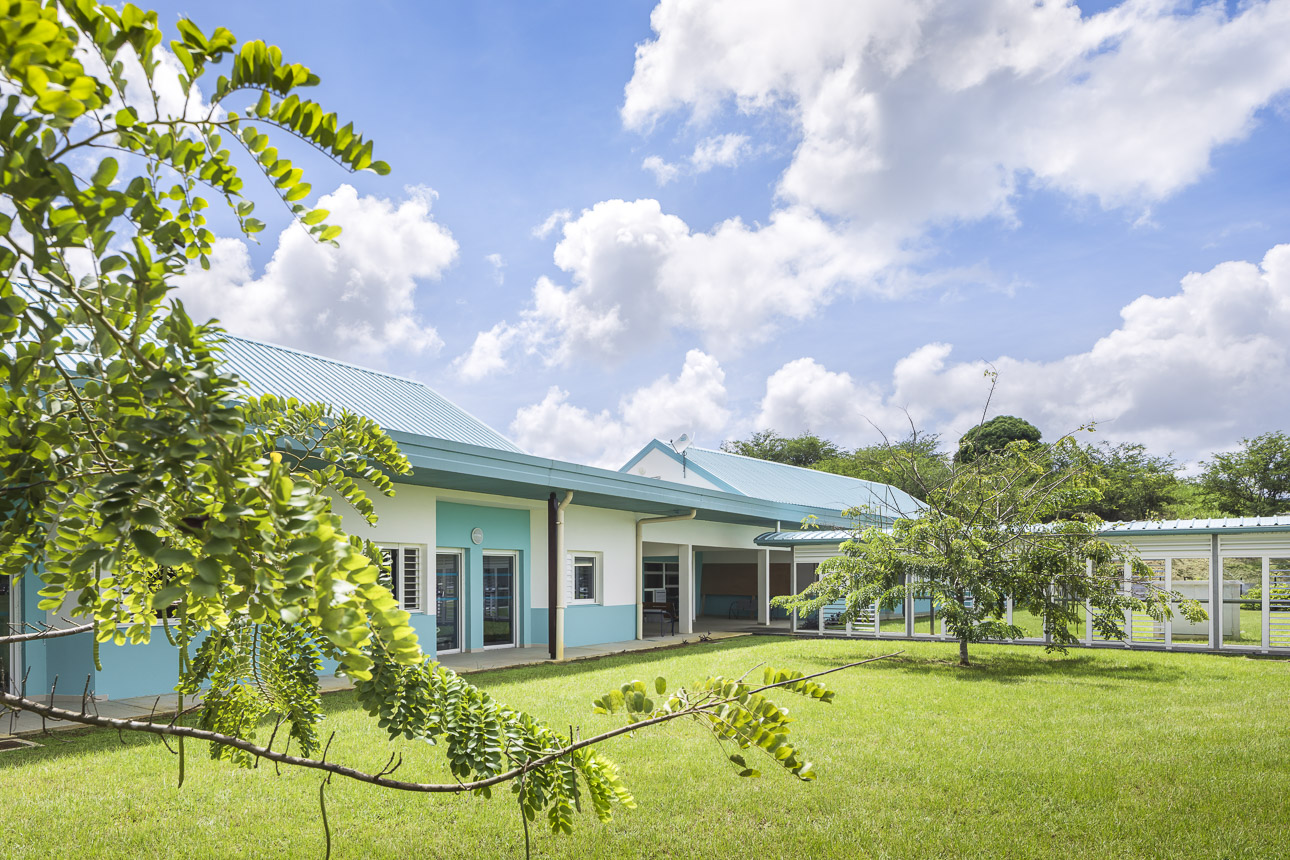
997	526
139	482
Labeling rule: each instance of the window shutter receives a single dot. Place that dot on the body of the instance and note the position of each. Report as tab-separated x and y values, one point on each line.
409	590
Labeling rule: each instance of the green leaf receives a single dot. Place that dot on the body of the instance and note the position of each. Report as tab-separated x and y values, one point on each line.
168	595
105	173
147	542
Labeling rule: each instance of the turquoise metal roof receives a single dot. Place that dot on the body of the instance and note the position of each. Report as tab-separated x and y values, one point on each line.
808	536
1217	525
393	402
793	485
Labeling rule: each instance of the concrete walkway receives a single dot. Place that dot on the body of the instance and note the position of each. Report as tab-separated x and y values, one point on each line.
158	709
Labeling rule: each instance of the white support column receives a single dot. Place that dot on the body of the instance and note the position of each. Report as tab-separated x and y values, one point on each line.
1215	594
1266	604
909	608
1169	622
1088	607
763	586
685	579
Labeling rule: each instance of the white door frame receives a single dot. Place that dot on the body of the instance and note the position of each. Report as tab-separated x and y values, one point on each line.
514	556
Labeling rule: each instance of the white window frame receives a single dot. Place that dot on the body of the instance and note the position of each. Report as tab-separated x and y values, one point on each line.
422	578
598	597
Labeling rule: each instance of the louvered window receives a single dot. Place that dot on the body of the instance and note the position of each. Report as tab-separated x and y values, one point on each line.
404	566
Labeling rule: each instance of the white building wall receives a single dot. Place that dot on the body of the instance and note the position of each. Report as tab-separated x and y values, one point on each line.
408	518
656	464
704	534
612	535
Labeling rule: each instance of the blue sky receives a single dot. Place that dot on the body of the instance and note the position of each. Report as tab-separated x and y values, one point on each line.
918	190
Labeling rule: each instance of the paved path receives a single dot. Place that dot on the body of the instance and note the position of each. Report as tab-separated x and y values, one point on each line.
144	707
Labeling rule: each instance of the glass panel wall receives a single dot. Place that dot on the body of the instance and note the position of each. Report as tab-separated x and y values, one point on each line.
1241	620
1113	572
1190	577
805	575
1279	603
891	622
1142	627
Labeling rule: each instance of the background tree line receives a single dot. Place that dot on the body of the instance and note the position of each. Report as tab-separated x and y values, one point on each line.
1134	483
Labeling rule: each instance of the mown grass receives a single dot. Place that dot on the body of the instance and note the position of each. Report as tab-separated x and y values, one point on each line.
1097	754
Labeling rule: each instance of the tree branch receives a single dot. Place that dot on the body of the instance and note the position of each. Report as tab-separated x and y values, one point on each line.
48	711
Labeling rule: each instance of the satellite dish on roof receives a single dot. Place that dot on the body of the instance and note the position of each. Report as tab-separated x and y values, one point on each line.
679	444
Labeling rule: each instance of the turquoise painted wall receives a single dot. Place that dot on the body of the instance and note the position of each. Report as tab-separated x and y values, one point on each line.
538	626
585	624
150	669
504	529
596	625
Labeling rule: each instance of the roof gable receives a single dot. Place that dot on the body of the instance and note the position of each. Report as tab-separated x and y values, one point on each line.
780	482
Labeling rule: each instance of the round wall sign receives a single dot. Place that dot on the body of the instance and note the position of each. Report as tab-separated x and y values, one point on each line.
477	536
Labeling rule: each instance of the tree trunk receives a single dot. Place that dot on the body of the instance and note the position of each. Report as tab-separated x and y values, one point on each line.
963	655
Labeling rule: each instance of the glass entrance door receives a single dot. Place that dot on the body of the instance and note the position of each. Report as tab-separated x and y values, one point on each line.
447	605
499	600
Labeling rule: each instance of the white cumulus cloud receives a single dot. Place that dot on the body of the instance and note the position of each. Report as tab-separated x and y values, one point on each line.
908	117
927	111
725	150
1190	373
355	301
692	402
638	272
664	171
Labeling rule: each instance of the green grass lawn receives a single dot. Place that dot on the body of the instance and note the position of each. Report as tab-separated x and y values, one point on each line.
1105	753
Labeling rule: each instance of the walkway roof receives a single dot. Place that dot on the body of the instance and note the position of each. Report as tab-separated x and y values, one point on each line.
1218	525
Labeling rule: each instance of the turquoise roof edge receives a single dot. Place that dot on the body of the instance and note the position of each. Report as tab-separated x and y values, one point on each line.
454	465
1217	525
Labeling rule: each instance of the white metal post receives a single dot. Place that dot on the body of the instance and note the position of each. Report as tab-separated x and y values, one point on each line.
1088	607
1215	594
1128	613
1265	615
1169	621
763	586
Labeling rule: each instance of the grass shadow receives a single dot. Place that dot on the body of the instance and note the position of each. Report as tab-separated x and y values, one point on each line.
1011	668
